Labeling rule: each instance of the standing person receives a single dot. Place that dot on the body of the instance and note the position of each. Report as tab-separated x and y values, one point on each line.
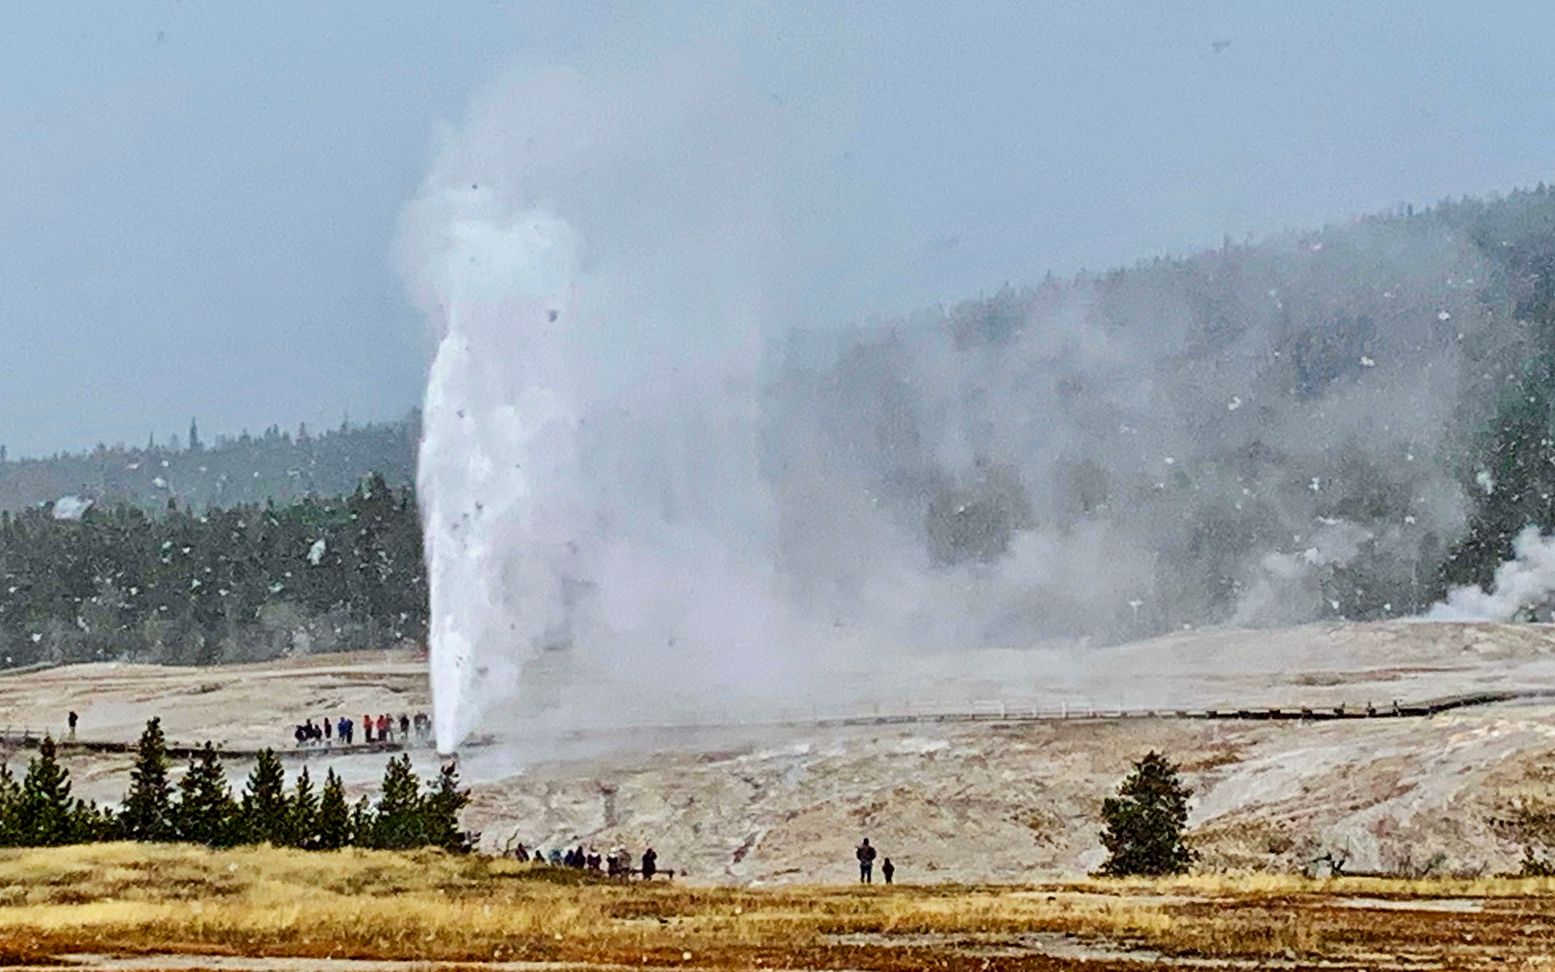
405	728
385	729
866	862
367	729
343	731
73	719
887	870
650	864
328	728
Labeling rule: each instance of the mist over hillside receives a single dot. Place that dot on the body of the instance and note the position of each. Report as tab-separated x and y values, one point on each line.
1332	424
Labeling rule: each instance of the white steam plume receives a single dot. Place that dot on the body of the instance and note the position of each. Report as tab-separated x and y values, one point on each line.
635	457
595	256
1523	585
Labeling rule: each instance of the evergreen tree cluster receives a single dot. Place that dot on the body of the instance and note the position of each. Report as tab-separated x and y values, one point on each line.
39	811
244	583
276	466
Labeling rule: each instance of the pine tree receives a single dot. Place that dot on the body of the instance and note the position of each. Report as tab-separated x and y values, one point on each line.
399	822
441	813
1146	820
10	808
46	815
94	823
334	818
206	812
303	809
363	823
148	806
266	815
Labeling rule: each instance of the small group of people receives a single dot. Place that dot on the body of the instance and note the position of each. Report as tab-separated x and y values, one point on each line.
616	864
866	854
380	728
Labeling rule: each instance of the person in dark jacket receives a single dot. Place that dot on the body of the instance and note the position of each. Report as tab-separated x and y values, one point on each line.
650	864
866	862
405	728
887	870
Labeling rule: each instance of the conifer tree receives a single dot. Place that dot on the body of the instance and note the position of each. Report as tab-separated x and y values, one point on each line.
148	806
441	813
363	824
334	818
94	823
303	809
398	820
266	815
1146	820
10	808
46	816
206	812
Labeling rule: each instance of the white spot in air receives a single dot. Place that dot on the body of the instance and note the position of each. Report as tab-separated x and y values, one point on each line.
1485	481
1234	404
1444	316
1169	461
71	508
159	483
1409	518
1367	362
1316	484
316	552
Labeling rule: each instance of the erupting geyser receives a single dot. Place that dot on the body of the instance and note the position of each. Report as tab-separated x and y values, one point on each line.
593	257
497	419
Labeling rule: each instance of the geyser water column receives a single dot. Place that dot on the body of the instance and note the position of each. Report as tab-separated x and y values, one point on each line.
498	453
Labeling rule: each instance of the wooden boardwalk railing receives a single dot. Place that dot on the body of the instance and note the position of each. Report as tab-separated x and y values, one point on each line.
29	738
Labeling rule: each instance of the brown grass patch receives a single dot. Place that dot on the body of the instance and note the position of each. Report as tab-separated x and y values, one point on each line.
434	907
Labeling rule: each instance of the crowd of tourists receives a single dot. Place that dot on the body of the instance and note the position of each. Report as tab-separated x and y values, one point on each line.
617	863
382	728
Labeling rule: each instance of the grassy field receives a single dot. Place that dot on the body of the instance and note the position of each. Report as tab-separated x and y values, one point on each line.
129	900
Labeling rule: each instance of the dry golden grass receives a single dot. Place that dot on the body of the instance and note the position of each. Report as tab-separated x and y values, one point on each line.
436	907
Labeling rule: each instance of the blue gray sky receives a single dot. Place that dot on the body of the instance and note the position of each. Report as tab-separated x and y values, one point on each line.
198	202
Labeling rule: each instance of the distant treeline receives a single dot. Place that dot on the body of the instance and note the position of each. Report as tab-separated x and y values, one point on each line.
277	466
241	583
39	811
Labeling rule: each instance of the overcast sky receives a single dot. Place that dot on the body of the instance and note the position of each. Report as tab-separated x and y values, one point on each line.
198	202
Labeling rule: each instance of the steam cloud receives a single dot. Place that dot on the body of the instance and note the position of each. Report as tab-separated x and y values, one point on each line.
1523	586
640	482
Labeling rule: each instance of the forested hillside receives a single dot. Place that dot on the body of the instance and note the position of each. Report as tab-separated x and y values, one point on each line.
1335	424
240	583
1340	423
275	465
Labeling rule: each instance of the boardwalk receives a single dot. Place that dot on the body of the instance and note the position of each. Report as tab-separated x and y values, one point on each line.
30	738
